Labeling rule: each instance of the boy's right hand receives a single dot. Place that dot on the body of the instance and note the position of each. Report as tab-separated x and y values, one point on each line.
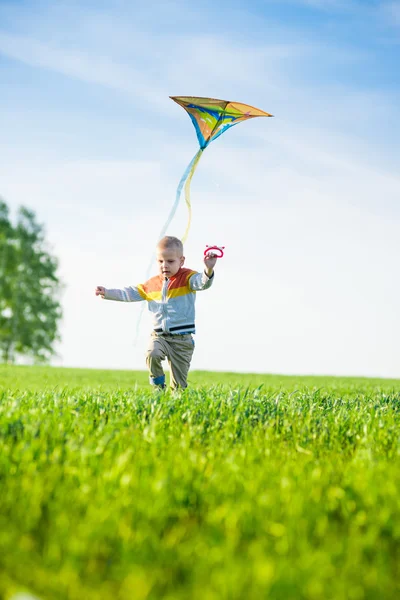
100	291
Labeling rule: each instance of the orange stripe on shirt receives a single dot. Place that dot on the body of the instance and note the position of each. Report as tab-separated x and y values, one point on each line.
153	285
181	279
151	290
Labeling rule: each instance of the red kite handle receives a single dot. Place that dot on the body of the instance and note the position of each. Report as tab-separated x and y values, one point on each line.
214	250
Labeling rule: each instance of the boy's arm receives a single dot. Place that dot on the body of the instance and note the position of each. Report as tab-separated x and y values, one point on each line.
204	280
128	294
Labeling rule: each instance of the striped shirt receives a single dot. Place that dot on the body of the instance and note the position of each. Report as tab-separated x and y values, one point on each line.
171	301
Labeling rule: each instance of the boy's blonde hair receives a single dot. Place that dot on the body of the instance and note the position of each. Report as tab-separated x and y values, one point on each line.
171	242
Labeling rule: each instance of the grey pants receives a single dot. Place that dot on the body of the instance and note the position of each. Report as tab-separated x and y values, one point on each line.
178	349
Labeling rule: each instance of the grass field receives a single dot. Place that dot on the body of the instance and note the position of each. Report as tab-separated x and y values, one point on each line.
243	486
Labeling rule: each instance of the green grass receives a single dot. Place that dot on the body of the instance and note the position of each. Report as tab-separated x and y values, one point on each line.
243	486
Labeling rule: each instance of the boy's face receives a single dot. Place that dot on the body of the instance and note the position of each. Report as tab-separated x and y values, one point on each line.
169	261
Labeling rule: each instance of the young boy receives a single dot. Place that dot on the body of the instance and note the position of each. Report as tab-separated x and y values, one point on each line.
171	299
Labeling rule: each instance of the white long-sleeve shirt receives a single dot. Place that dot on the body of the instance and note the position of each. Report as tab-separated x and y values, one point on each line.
171	301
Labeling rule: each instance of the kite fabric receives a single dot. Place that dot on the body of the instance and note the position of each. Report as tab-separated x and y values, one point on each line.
210	117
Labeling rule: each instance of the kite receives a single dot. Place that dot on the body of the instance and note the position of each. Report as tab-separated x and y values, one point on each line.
211	118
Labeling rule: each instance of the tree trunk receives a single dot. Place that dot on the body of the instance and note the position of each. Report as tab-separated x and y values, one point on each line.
8	354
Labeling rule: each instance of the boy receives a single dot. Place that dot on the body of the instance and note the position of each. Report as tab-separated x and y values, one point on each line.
171	299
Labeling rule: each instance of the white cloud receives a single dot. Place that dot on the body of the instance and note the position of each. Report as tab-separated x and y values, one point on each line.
74	63
391	11
189	61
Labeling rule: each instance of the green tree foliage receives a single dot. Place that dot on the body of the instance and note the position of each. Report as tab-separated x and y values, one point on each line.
29	289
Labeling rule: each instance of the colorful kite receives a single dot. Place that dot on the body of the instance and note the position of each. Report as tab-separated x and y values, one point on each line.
210	117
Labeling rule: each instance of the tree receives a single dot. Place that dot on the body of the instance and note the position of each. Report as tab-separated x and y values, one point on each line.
29	289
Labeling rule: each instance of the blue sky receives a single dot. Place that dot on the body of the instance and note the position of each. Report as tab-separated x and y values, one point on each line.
307	203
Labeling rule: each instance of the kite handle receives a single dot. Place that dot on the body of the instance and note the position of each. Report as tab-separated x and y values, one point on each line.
215	249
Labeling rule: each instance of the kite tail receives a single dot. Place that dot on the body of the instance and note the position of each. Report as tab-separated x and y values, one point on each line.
188	173
194	164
